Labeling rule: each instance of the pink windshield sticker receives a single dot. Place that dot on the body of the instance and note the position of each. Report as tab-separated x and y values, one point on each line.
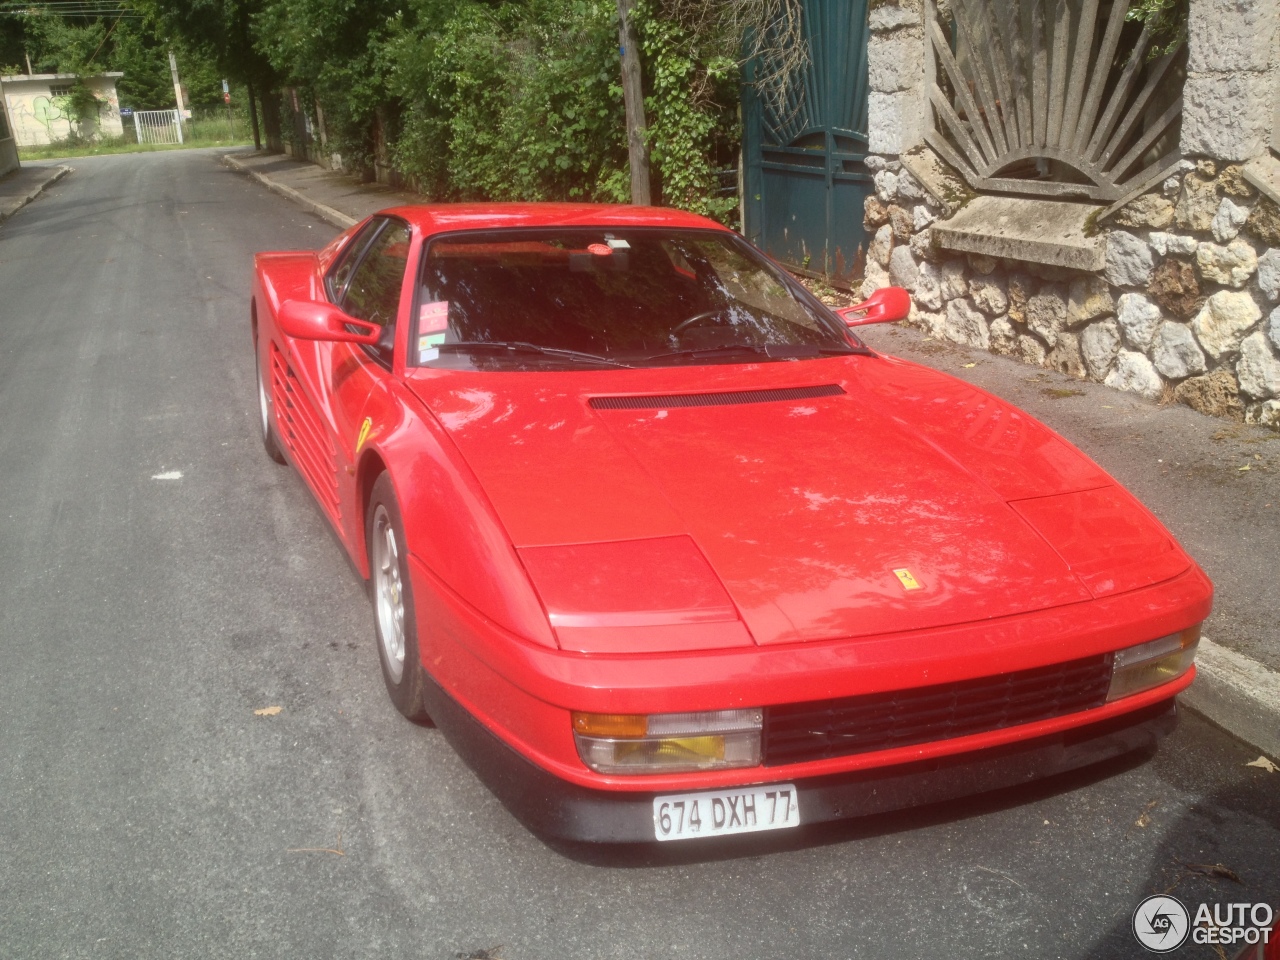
433	317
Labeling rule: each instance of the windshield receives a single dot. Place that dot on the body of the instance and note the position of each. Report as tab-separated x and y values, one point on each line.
612	296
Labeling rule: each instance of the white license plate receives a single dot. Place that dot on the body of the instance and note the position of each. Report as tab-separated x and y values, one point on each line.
718	813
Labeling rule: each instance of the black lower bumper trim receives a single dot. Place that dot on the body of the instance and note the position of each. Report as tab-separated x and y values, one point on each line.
563	810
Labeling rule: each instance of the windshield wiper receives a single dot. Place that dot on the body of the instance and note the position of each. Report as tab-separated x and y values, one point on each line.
521	346
773	352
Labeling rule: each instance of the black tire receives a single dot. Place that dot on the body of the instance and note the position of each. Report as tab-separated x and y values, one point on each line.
266	417
389	587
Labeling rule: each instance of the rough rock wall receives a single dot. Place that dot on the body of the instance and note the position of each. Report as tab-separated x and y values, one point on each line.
1233	69
1188	307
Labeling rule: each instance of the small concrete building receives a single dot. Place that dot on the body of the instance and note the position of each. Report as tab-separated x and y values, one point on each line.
8	147
39	112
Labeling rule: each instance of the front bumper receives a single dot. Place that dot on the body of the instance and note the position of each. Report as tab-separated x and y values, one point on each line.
556	808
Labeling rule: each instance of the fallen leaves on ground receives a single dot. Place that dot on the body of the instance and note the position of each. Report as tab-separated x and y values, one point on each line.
336	848
1144	820
267	711
1215	870
1264	763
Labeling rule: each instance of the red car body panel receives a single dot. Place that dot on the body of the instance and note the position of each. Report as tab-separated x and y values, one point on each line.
523	694
767	496
788	520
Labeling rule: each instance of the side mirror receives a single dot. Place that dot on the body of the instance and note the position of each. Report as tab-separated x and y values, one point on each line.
313	320
883	306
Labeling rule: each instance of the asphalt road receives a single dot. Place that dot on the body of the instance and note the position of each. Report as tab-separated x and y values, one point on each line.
146	811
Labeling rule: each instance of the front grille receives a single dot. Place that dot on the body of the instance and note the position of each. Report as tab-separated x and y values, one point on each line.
797	732
723	399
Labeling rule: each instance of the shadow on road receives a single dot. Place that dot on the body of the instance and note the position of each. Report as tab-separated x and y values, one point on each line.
1224	848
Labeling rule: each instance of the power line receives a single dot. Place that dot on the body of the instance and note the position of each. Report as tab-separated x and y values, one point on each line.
70	8
62	4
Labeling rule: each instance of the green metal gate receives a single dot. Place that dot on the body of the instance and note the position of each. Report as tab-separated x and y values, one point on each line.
806	176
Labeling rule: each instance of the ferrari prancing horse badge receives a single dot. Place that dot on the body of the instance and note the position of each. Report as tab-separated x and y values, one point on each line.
905	577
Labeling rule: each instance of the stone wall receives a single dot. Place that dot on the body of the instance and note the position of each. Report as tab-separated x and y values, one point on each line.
1187	309
8	146
896	76
1233	66
8	156
1188	305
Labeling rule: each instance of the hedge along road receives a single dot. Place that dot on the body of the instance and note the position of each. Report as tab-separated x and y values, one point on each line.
149	812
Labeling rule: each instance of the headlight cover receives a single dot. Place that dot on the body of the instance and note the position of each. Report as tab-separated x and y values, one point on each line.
1149	665
669	742
634	596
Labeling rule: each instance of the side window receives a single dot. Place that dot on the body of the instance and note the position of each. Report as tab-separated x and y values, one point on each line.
373	295
349	259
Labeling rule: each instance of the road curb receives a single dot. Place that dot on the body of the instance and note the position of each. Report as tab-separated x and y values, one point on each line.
7	211
1231	690
1238	694
323	211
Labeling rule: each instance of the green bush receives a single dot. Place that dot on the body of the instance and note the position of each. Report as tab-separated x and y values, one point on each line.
505	100
691	103
513	104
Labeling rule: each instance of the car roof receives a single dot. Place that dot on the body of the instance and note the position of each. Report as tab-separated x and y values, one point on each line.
439	218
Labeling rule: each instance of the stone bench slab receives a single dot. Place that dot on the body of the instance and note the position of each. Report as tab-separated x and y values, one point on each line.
1018	228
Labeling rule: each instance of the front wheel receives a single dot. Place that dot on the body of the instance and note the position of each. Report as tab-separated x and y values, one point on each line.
392	596
266	420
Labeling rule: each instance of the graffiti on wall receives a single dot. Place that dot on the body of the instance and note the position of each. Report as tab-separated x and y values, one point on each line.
49	111
38	117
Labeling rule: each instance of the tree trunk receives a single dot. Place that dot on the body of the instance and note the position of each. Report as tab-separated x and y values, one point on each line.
633	97
253	117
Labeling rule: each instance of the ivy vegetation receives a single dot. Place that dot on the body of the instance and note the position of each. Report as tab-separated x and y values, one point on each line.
477	100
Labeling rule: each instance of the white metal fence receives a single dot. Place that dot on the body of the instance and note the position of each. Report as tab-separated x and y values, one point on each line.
157	126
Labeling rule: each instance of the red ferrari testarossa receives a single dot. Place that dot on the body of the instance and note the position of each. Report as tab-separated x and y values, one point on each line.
666	552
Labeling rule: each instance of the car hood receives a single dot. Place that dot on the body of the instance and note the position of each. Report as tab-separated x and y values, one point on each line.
833	498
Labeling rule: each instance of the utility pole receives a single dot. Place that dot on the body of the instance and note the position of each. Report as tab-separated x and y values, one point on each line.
633	97
177	89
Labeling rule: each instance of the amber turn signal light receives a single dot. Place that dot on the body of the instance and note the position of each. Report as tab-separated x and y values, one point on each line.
1149	665
610	724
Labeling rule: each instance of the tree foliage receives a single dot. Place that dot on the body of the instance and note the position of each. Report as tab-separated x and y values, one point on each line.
478	99
136	46
1167	21
512	102
513	99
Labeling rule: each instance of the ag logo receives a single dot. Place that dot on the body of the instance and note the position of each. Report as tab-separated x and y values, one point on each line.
1161	924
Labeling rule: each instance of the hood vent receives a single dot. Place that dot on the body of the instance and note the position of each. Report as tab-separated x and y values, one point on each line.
730	398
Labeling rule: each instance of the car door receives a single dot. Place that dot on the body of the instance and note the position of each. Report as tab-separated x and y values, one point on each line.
359	375
302	391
